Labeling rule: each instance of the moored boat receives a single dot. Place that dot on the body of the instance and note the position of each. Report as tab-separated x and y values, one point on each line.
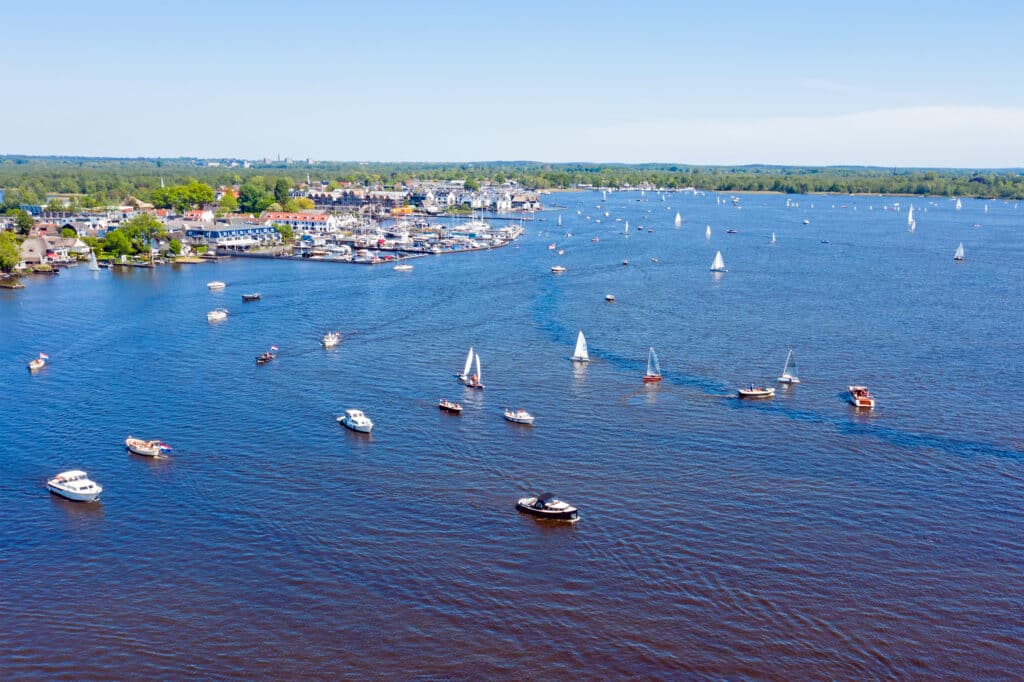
402	267
449	406
264	358
74	485
610	298
216	284
861	397
356	420
218	315
756	392
37	363
146	448
330	339
546	506
518	416
248	298
557	269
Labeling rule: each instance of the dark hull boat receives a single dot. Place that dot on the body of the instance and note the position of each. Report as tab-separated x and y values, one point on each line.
249	298
264	358
545	506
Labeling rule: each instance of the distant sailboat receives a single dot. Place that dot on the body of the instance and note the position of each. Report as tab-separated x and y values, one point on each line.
773	238
653	373
477	379
604	195
559	219
718	265
913	226
93	265
959	255
789	373
626	231
679	220
465	368
910	216
581	354
707	232
986	208
958	205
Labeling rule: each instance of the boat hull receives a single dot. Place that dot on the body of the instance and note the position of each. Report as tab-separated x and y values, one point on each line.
36	365
526	421
555	515
142	450
358	428
90	496
786	379
651	380
755	394
577	358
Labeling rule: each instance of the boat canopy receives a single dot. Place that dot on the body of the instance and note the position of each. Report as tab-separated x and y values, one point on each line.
544	497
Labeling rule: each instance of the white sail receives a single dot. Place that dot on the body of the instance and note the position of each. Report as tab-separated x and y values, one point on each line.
986	208
958	205
93	265
469	363
773	237
718	265
707	232
653	367
627	228
913	225
559	219
959	255
604	195
479	374
581	354
910	215
679	220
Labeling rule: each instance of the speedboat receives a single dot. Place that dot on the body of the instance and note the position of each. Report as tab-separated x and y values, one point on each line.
146	448
218	315
518	416
547	507
330	339
74	485
557	269
38	363
215	285
356	420
248	298
730	231
595	240
264	358
860	397
448	406
756	392
610	298
402	267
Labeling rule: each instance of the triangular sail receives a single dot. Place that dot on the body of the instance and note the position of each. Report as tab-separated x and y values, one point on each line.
479	374
910	215
719	263
959	255
469	363
773	237
93	265
653	368
679	220
707	232
627	227
559	219
581	348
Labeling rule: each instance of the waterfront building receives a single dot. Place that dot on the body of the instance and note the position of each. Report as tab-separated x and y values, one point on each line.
302	223
232	236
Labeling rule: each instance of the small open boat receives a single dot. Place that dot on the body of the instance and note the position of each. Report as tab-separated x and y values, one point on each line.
356	420
74	485
264	358
218	315
402	267
448	406
860	397
653	374
146	448
215	285
330	339
518	416
248	298
756	392
38	363
546	506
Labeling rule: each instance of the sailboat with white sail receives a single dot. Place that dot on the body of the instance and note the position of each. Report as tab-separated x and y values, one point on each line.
466	367
559	219
707	232
789	373
959	205
679	220
476	380
581	354
93	265
959	255
718	265
773	238
910	216
626	231
653	373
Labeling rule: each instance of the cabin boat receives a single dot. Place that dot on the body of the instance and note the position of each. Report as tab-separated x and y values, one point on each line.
861	397
146	448
215	285
653	374
449	406
330	339
356	420
519	416
38	362
402	267
218	315
74	485
557	269
264	358
546	506
756	392
581	354
789	374
248	298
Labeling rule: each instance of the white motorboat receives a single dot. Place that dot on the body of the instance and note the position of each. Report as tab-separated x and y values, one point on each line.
518	416
403	267
860	397
218	315
789	373
546	506
146	448
38	363
74	485
557	269
610	298
330	339
581	354
215	285
356	420
756	392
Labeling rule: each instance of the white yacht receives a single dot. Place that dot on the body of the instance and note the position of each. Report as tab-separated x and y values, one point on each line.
403	267
218	315
215	285
330	339
518	416
357	421
557	269
74	485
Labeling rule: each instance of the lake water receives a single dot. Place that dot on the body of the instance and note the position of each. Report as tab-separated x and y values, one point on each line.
789	539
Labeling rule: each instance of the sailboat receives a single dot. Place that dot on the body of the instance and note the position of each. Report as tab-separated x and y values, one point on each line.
476	381
910	216
93	265
773	238
626	232
559	219
707	232
986	208
679	220
653	368
464	376
718	265
581	354
958	205
789	373
959	255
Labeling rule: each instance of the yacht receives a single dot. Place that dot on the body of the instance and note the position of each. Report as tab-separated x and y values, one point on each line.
356	420
546	506
215	285
74	485
146	448
860	397
756	392
557	269
446	405
330	339
218	315
518	416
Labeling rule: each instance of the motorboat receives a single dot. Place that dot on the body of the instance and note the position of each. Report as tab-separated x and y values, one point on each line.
74	485
731	231
756	392
248	298
551	246
610	298
146	448
402	267
561	252
807	222
264	358
518	416
330	339
38	362
595	240
546	506
861	397
654	260
449	406
215	285
625	262
218	315
557	269
356	420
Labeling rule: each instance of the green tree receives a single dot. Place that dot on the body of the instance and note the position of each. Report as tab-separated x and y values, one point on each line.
281	188
68	233
117	243
472	185
175	246
228	202
10	254
23	222
56	206
141	229
253	199
286	231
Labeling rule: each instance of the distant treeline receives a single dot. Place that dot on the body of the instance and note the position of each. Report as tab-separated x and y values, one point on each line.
102	181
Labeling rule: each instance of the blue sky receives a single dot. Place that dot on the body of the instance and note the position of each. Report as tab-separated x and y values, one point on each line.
934	84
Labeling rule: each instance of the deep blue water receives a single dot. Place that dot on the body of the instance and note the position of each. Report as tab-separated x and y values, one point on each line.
792	538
